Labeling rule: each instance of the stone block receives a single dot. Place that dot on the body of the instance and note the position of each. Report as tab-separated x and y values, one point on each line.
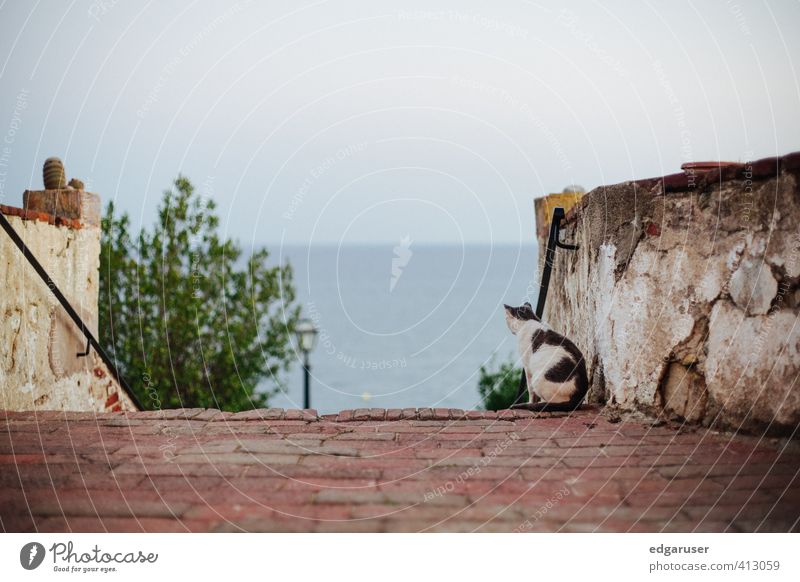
72	204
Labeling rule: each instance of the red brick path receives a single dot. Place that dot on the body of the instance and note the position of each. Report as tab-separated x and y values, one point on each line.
396	470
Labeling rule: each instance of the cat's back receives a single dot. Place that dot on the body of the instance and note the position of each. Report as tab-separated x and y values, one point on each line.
548	338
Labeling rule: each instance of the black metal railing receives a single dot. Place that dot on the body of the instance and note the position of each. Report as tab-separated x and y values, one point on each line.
91	341
553	242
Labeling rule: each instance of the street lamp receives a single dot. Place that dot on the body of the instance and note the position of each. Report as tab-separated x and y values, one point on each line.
306	340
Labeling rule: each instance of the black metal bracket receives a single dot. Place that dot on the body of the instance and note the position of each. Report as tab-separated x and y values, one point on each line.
553	242
91	342
85	352
566	246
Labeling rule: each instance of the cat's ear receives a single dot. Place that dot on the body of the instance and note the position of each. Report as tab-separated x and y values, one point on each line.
512	321
529	312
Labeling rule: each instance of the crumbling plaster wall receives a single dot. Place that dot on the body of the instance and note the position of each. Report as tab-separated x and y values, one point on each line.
39	369
686	301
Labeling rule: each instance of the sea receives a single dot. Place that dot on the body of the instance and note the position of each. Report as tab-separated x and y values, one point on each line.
404	325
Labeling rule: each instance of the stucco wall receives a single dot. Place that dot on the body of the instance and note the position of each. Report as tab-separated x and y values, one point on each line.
39	368
685	292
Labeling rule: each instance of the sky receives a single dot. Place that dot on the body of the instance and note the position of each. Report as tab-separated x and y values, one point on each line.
330	122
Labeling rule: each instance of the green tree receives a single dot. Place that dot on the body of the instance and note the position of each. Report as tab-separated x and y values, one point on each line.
498	388
189	322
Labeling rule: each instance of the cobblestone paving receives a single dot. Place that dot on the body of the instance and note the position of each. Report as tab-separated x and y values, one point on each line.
387	470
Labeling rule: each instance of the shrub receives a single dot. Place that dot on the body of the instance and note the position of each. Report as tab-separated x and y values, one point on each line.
189	321
498	388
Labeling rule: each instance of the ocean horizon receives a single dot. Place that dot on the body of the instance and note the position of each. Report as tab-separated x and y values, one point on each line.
404	325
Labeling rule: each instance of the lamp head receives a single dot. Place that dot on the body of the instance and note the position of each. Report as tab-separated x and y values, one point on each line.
306	335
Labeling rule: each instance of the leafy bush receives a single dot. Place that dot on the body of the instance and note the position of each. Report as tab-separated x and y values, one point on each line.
498	388
189	323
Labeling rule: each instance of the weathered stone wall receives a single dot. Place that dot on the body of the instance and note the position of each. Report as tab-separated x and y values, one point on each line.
685	292
39	369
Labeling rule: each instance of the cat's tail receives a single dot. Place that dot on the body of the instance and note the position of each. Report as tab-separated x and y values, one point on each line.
547	406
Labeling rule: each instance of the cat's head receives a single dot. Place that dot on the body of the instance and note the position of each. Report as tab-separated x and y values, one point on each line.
516	316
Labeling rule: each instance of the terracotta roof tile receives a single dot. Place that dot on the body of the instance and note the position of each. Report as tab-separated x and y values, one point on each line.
41	216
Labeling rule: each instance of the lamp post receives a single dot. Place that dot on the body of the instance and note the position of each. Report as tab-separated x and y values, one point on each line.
306	340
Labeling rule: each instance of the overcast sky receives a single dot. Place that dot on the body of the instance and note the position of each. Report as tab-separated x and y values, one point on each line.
369	121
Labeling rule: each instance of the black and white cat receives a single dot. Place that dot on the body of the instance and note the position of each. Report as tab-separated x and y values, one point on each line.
554	367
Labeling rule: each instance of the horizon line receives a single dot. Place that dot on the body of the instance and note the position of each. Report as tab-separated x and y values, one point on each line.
390	243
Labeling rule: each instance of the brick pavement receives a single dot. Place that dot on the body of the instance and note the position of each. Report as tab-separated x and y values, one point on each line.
396	470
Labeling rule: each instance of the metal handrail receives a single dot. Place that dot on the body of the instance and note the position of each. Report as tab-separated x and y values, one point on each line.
553	242
90	339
